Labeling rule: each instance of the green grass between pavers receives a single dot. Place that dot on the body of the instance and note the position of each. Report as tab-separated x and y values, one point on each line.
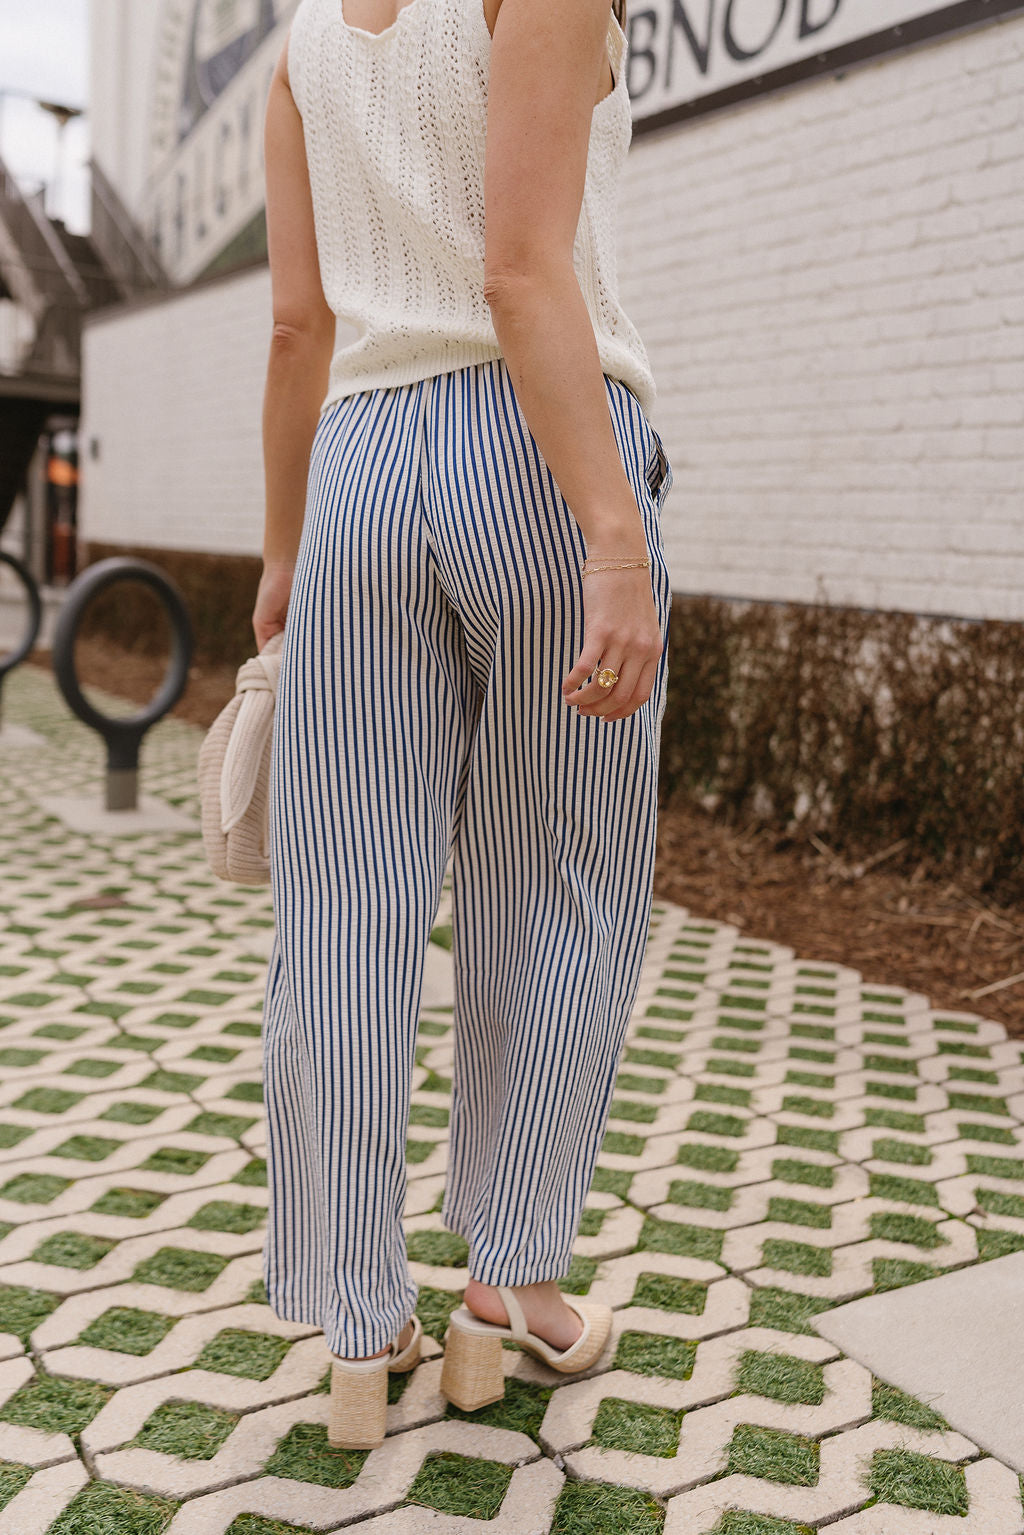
189	1429
224	1215
72	1249
237	1351
997	1202
785	1310
177	1160
699	1196
664	1060
976	1103
434	1307
894	1273
246	1092
665	1292
703	1122
674	1036
890	1150
636	1427
972	1074
638	1113
253	1174
55	1404
774	1455
429	1114
231	1126
303	1455
807	1138
725	1066
810	1079
889	1063
997	1134
47	1100
896	1041
799	1212
782	1377
738	1044
617	1143
13	1135
522	1409
998	1244
172	1081
896	1406
600	1508
631	1082
812	1031
100	1509
647	1353
127	1330
34	1188
580	1276
918	1481
684	1241
180	1268
989	1167
133	1204
907	1191
23	1308
816	1057
439	1249
13	1478
718	1092
816	1108
738	1521
591	1222
797	1258
888	1226
814	1174
895	1119
87	1148
708	1159
612	1180
128	1113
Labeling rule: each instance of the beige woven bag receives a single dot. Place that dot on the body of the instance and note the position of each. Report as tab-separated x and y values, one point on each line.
234	773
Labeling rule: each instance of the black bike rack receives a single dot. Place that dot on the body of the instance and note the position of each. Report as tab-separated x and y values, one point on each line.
35	619
124	734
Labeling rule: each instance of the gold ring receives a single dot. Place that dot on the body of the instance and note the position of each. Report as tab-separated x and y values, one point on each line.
606	678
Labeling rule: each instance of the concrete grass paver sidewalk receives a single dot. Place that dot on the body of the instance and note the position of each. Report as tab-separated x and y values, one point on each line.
783	1137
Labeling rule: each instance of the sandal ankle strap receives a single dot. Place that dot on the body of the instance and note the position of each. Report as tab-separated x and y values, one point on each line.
516	1319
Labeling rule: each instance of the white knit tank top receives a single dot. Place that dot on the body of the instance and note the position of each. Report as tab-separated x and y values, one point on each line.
395	129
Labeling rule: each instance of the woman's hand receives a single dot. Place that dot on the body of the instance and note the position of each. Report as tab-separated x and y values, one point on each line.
272	600
621	630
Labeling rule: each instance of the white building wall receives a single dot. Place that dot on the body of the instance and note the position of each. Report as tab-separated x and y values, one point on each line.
830	281
173	398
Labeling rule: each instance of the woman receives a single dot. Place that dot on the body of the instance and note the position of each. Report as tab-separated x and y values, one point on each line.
463	549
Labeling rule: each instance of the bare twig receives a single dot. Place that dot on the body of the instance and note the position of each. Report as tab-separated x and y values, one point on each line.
985	991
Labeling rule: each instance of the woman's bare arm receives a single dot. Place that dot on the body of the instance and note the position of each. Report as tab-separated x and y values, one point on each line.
302	339
546	61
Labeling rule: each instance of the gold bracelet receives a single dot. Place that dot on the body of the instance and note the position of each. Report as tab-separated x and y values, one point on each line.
600	563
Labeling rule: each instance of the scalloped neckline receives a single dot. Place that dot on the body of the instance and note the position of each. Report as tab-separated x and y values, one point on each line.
362	31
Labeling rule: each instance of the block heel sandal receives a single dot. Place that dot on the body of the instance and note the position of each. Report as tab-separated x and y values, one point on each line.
357	1418
472	1374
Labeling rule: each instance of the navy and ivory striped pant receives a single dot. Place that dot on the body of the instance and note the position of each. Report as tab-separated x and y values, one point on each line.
436	607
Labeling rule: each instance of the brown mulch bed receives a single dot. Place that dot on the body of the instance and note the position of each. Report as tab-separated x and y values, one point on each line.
913	930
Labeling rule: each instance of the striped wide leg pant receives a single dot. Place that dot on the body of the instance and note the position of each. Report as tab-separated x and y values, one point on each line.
436	608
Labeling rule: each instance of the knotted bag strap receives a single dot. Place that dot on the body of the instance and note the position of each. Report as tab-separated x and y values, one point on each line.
256	692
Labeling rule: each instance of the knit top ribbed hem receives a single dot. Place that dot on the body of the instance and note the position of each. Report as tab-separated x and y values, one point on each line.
621	365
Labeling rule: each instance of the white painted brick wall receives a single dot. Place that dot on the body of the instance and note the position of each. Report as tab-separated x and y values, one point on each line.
830	282
173	393
831	288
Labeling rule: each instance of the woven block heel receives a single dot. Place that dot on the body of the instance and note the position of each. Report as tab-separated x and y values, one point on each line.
472	1374
359	1402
